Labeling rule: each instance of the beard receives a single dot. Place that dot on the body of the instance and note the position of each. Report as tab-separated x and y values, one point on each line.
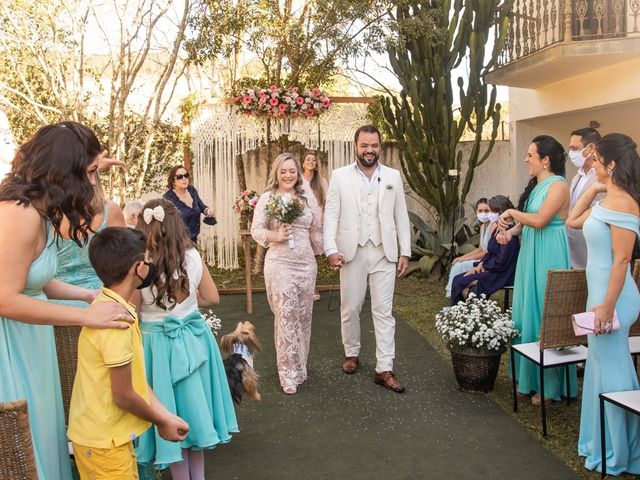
368	163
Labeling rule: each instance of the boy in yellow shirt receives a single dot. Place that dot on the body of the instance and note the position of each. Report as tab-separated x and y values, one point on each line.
111	403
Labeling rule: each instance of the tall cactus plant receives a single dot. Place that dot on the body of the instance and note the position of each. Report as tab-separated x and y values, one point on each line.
422	116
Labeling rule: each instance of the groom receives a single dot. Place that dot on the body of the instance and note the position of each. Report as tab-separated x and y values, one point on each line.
365	223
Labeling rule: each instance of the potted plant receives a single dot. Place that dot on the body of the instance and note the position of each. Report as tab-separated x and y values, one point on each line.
477	332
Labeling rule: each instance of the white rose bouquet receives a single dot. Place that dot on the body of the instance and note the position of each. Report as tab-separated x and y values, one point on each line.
285	208
476	323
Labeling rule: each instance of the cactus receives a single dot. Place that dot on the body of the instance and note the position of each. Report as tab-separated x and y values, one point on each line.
421	117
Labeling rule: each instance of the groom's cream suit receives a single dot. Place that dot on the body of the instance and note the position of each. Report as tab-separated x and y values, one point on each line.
366	220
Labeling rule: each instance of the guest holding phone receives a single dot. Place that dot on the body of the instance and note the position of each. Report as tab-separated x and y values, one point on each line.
186	198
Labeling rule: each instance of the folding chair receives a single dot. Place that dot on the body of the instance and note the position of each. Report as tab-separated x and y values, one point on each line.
634	331
629	401
17	458
67	351
566	294
508	290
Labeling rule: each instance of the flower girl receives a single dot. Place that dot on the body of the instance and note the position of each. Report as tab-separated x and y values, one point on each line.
183	362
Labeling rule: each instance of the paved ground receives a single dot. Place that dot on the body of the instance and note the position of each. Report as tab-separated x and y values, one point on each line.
345	427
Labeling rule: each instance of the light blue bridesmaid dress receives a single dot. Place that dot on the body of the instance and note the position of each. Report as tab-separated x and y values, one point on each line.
541	249
609	367
74	266
29	367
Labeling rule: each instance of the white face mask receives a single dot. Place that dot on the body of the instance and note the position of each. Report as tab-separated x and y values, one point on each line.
493	217
483	217
577	158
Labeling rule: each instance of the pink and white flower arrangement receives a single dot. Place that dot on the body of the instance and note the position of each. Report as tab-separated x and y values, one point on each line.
246	202
279	102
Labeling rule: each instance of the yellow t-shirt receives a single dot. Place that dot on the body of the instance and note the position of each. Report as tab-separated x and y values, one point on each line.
94	418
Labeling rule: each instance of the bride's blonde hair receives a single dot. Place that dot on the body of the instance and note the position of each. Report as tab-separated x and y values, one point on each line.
272	181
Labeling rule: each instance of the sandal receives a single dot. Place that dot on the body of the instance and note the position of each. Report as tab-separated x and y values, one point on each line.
536	400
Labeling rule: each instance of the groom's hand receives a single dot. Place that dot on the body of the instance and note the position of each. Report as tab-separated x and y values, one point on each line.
336	260
403	265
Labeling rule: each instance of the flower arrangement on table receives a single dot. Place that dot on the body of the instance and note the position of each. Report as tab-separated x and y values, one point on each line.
477	323
246	202
212	321
285	209
279	102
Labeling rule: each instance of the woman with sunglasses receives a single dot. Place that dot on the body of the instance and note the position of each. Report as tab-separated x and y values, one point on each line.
185	197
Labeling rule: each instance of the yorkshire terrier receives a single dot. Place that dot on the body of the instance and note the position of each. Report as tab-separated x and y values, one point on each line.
240	346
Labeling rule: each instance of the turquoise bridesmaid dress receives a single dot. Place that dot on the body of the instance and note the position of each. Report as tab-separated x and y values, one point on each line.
74	266
609	366
30	371
541	249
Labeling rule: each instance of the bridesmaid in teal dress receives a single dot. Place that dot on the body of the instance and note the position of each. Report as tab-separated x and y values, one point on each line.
540	220
610	229
52	175
74	267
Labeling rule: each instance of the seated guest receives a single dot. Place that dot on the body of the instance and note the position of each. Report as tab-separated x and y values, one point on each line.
132	210
497	268
466	262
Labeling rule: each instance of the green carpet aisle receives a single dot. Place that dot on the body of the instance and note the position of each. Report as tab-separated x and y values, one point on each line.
345	427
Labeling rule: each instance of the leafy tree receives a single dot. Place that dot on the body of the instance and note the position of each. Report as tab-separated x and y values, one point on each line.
46	74
294	42
422	117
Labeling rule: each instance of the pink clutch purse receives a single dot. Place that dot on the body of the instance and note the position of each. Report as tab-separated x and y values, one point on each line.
583	323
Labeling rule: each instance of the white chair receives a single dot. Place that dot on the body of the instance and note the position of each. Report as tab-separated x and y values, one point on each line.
566	294
629	401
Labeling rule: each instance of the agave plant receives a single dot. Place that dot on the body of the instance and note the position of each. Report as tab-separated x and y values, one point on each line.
434	246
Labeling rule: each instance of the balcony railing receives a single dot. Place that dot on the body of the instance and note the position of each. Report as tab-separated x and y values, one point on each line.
538	24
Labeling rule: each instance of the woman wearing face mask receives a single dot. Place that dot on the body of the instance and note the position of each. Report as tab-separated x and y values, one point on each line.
540	219
611	228
498	266
466	262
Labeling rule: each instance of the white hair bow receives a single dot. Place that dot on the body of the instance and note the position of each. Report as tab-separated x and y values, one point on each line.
151	213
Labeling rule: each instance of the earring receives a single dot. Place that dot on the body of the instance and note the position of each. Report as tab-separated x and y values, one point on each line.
544	166
609	171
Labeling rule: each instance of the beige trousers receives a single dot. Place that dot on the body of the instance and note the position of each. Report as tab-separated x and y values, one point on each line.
369	266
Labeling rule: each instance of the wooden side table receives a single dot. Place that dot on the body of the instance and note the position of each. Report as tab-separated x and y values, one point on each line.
246	245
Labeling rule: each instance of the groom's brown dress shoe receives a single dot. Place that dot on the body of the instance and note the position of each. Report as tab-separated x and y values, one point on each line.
350	365
388	380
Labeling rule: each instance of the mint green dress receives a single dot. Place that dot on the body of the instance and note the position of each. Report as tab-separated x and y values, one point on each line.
541	249
29	367
74	266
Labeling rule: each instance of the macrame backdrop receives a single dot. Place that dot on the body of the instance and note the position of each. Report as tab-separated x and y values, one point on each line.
219	134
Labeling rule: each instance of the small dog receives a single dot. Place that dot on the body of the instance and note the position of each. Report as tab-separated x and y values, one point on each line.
240	346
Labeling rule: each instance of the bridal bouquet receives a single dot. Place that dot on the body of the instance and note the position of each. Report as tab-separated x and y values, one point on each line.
284	208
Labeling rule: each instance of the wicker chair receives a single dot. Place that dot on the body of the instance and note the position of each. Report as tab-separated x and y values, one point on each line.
566	294
67	350
17	459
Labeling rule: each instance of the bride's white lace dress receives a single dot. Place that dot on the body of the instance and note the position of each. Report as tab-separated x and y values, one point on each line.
290	278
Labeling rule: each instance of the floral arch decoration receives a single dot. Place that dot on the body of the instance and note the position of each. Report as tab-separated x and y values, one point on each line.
219	134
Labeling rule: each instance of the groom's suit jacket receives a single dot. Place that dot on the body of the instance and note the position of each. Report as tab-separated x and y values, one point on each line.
342	213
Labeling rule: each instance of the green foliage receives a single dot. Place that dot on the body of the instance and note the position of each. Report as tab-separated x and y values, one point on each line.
422	117
434	246
165	152
296	43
